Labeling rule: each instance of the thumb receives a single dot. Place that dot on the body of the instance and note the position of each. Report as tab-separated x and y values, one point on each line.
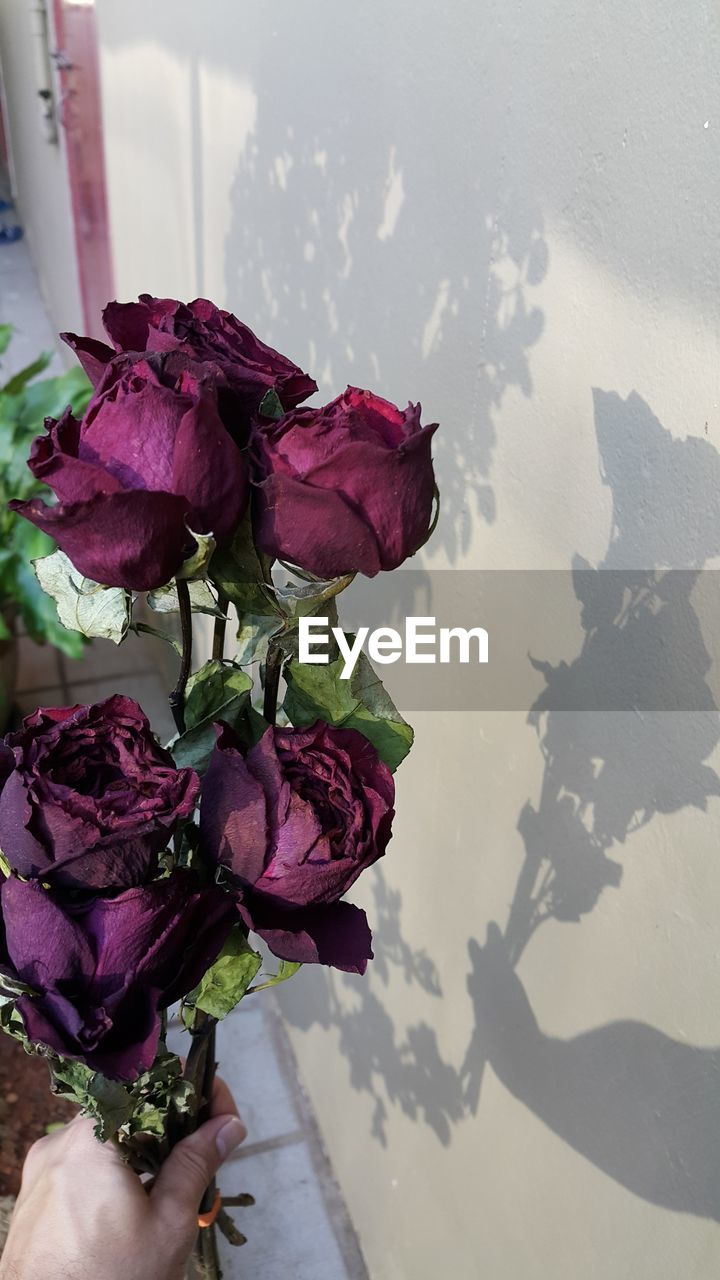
193	1163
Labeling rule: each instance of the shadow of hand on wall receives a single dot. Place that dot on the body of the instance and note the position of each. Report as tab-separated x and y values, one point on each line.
609	771
632	1100
636	1103
627	727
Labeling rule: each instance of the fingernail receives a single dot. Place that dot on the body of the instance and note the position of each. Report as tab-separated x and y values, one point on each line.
229	1136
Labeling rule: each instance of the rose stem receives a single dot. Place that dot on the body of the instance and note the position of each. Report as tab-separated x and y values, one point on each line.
201	1059
200	1071
206	1249
200	1066
177	697
273	667
218	648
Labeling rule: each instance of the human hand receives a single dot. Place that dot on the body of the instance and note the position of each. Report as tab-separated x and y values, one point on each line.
82	1213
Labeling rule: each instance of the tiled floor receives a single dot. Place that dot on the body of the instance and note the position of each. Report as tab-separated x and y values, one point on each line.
299	1226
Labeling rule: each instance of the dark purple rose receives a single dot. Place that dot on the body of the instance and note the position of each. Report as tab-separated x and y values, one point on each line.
150	461
295	819
203	332
347	488
88	798
102	968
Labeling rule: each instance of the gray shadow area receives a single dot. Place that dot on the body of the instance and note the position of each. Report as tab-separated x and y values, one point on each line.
333	253
640	1105
607	774
359	245
406	1071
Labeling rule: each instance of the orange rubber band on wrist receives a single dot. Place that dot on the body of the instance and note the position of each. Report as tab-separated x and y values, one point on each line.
207	1219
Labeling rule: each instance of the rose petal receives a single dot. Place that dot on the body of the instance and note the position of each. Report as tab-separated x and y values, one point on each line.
23	852
102	969
233	811
130	431
93	355
42	940
337	935
312	527
126	324
136	540
209	469
53	459
392	488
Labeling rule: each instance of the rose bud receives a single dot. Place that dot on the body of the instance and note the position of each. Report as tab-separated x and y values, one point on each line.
150	461
294	820
343	489
88	798
203	332
101	969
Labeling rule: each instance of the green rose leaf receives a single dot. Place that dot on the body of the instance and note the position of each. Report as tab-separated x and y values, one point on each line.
38	610
84	605
202	600
317	692
6	333
158	1093
286	970
296	600
218	691
113	1105
124	1110
253	637
238	572
196	565
12	988
265	609
108	1102
227	980
271	405
212	692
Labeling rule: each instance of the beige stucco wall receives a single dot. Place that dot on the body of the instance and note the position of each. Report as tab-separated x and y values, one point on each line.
494	207
43	194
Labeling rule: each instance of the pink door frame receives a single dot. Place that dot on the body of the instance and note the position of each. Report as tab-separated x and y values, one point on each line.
80	113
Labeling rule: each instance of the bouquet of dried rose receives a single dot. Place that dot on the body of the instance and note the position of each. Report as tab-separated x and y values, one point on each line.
135	876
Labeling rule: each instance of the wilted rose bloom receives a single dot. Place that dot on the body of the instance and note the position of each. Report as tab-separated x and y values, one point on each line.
346	488
101	969
203	332
150	461
295	819
87	796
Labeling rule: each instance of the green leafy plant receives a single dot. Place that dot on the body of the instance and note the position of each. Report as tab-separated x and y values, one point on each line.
26	400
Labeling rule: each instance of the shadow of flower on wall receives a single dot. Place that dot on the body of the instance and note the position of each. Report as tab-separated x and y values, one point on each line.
634	1101
637	1103
333	255
340	265
608	772
400	1070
